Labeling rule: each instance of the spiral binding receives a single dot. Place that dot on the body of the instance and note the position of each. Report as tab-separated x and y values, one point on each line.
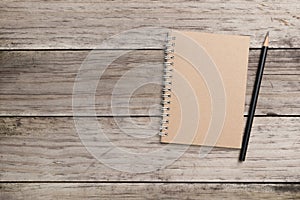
167	83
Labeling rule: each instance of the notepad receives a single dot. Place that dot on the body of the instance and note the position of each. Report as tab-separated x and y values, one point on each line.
204	89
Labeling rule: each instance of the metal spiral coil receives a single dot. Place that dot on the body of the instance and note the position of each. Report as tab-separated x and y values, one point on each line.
167	83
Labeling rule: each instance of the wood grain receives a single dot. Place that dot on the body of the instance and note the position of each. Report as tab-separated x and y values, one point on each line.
44	157
49	149
40	83
77	24
147	191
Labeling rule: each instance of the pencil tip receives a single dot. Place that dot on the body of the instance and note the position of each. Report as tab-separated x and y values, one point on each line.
266	41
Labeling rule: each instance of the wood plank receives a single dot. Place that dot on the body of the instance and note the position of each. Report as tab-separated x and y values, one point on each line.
41	83
77	24
49	149
147	191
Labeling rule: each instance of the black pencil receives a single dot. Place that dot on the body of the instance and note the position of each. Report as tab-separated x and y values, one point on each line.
254	98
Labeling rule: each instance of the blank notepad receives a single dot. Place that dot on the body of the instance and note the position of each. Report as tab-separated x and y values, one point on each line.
204	89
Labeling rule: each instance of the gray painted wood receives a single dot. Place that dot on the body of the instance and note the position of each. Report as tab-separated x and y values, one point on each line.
41	83
77	24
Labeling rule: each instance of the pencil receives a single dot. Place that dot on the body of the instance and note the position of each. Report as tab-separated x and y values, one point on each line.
254	98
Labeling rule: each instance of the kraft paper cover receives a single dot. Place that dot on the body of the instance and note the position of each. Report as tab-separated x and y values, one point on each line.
208	89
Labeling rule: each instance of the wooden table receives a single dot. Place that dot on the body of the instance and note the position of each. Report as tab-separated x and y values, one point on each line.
43	44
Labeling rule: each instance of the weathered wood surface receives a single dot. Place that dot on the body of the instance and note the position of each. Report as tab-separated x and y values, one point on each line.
49	149
77	24
148	191
41	82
